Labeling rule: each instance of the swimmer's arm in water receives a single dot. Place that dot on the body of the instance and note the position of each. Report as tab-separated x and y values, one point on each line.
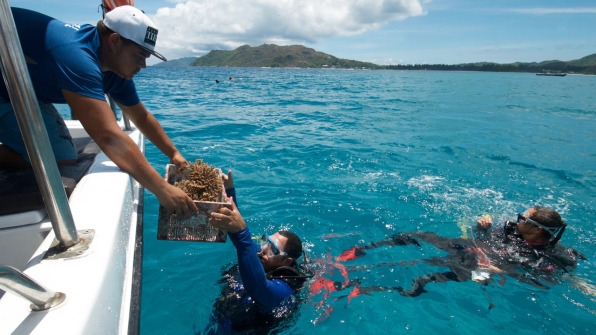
493	269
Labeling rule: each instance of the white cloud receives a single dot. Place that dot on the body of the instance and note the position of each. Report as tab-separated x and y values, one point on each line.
194	27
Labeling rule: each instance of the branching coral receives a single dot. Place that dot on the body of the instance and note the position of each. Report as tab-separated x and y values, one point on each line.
203	183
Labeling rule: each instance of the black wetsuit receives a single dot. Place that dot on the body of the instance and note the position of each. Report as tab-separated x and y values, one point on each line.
505	249
235	312
252	301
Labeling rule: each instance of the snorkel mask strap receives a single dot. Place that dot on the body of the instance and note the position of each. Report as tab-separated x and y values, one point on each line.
559	234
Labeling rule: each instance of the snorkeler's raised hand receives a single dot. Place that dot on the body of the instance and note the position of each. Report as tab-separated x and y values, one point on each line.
228	219
485	222
228	180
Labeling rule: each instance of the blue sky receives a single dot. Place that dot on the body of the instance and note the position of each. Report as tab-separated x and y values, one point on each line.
378	31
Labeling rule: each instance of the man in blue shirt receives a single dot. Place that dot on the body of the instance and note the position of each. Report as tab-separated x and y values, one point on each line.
78	65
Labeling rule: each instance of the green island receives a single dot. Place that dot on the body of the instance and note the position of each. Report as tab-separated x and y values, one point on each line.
298	56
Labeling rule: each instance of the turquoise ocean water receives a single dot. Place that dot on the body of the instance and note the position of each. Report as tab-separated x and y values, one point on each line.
344	158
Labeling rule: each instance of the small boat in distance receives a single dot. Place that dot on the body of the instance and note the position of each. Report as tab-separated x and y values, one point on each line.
551	73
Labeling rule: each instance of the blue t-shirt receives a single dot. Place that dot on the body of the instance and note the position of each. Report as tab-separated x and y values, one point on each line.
66	56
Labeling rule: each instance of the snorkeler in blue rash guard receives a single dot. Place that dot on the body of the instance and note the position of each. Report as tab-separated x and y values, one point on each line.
526	250
261	290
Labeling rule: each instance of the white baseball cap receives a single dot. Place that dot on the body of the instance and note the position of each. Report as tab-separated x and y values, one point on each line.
131	23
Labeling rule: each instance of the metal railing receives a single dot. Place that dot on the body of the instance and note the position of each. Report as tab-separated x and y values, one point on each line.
41	298
125	119
35	136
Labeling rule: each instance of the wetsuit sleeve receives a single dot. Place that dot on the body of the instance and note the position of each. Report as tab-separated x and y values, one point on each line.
495	233
231	193
269	294
482	233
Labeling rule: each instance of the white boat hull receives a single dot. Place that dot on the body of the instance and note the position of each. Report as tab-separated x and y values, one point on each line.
99	284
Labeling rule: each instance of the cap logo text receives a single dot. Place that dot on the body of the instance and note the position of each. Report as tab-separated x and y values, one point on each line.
151	36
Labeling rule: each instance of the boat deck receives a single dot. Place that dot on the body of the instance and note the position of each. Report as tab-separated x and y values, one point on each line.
20	191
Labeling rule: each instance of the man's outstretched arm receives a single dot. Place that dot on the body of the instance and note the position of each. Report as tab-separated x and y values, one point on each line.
98	120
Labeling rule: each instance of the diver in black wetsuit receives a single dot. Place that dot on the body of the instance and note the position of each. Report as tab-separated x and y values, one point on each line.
261	290
529	244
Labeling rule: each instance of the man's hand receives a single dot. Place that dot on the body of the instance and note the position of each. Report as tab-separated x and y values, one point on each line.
228	219
175	200
179	160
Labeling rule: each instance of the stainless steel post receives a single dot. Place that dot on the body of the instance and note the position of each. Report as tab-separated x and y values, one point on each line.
41	298
22	97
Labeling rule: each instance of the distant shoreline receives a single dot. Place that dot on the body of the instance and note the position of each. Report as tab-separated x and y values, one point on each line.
354	69
298	56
